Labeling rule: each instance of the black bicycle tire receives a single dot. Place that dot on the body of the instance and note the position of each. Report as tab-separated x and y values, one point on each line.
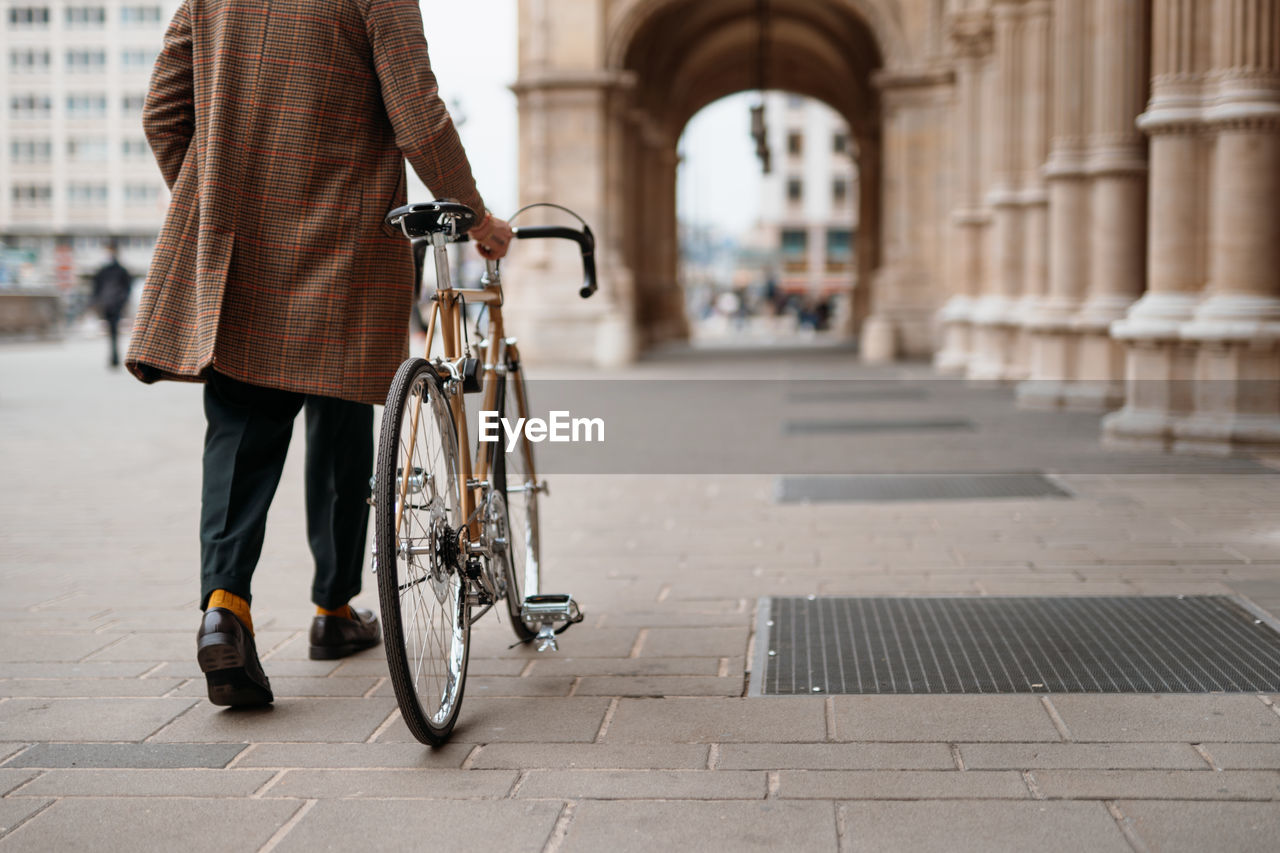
515	603
415	718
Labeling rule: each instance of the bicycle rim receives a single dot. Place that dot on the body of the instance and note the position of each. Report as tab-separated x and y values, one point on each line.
421	590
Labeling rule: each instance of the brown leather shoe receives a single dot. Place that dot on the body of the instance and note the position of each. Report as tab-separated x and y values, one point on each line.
228	657
336	636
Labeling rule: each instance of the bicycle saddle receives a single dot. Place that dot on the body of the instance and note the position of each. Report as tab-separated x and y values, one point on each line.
433	217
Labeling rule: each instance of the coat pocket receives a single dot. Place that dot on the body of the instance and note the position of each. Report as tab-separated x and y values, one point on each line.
397	199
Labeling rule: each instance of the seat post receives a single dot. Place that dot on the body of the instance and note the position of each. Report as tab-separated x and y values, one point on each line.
440	245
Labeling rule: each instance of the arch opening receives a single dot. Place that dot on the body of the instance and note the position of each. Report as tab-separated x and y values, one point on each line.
678	57
768	258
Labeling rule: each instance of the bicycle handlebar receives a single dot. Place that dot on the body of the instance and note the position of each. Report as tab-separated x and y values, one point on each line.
586	243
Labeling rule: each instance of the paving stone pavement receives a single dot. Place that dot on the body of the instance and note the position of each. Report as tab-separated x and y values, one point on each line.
638	734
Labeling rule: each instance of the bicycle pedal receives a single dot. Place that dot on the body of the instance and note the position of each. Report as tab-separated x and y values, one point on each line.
546	610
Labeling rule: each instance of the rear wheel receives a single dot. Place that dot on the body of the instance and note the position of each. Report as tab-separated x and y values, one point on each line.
421	587
518	557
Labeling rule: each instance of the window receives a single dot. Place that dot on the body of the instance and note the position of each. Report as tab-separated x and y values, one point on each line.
141	194
86	106
840	143
86	17
138	59
29	17
87	193
30	106
30	150
133	104
795	241
795	249
795	143
136	149
839	249
28	61
140	16
136	244
840	192
86	61
795	190
88	150
31	195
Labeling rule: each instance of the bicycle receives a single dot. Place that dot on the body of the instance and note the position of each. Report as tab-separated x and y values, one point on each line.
453	533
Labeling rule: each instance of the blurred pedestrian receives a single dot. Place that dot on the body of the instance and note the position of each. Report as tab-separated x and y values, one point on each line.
282	134
772	296
822	314
111	288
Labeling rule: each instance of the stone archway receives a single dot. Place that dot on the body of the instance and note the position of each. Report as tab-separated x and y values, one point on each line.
605	90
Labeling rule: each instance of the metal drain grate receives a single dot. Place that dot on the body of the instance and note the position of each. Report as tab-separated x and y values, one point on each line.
917	487
866	426
1014	645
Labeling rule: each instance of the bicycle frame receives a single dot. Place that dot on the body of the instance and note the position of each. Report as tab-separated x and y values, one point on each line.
468	561
496	351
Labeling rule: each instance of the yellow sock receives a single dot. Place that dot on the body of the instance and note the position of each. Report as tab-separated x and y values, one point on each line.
234	603
344	611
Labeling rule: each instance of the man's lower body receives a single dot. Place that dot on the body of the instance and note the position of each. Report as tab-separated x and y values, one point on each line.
248	434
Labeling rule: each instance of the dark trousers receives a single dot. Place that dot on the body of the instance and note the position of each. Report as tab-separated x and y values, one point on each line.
244	451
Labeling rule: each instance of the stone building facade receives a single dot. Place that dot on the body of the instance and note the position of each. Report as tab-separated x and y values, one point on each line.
1079	196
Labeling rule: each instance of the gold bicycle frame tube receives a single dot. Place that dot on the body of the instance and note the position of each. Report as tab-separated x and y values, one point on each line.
413	430
448	305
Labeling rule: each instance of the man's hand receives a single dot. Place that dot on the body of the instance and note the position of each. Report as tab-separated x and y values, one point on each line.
492	236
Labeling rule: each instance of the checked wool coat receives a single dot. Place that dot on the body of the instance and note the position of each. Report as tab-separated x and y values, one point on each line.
281	127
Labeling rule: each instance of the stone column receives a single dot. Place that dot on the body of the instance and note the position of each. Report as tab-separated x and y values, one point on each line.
915	106
565	127
1037	45
1237	326
1117	163
868	243
1159	364
674	321
646	207
879	340
971	36
994	316
1053	343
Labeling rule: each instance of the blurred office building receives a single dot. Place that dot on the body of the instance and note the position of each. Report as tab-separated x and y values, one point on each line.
809	197
75	168
809	212
793	268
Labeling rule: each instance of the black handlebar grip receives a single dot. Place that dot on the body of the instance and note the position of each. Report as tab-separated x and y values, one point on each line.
588	263
560	232
586	242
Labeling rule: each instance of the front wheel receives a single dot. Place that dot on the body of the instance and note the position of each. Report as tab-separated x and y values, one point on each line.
513	479
421	587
